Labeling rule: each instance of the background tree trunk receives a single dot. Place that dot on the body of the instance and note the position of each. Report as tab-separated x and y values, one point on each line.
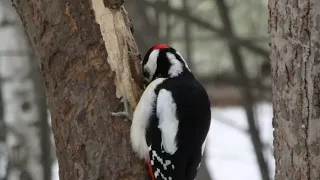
3	129
88	60
294	28
24	105
3	145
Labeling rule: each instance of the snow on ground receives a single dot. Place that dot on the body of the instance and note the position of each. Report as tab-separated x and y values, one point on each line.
230	154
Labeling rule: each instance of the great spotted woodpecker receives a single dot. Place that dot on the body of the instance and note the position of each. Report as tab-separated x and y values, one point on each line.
171	121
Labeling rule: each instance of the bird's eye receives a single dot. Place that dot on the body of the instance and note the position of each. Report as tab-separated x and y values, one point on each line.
145	82
146	73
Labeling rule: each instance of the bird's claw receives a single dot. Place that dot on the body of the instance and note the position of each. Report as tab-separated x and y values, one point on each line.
126	114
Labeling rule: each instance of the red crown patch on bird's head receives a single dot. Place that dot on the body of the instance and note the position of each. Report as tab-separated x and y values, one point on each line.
160	46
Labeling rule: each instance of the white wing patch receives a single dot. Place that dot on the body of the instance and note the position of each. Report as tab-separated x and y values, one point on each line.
141	117
168	123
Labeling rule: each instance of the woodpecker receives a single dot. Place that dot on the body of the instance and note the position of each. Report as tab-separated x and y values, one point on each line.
172	119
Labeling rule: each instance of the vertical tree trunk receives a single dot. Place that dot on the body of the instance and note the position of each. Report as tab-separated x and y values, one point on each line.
88	60
3	131
294	28
3	146
25	111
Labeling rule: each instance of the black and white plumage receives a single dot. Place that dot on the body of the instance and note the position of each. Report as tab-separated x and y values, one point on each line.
171	121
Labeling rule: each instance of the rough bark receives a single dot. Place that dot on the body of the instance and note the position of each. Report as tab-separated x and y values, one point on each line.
294	28
88	60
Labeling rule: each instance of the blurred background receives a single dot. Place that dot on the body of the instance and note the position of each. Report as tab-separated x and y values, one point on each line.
225	43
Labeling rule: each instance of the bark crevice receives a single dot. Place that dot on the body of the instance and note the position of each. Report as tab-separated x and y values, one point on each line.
293	38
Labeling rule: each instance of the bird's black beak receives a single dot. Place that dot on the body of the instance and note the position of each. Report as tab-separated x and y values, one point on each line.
145	82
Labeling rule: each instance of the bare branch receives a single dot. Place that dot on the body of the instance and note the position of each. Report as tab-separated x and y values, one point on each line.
186	15
228	80
216	36
14	53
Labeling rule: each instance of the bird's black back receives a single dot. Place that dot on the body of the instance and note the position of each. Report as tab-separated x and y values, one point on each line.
194	116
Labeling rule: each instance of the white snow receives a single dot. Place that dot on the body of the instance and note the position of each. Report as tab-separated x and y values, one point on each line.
230	154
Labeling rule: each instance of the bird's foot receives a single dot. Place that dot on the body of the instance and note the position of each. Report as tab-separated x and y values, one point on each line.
126	114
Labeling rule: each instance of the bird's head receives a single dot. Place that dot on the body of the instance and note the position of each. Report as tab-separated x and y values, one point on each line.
163	61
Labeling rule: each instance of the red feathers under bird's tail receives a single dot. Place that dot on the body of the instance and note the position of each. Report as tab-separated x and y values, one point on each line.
150	169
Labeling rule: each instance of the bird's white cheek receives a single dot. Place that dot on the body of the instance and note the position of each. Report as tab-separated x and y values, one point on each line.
151	65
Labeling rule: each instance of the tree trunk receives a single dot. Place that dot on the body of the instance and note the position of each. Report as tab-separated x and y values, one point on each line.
294	28
25	111
88	60
3	145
